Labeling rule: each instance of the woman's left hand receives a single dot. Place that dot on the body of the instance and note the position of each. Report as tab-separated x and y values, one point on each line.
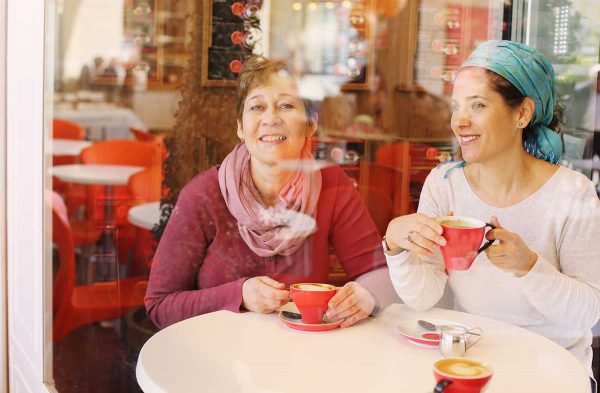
352	302
512	254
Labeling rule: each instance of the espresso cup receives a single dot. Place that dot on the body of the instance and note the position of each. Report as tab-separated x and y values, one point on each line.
463	240
312	300
461	375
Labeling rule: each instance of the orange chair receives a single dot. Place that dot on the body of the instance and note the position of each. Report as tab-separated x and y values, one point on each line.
74	193
141	135
78	305
394	171
419	165
64	129
145	187
122	152
118	152
379	206
145	136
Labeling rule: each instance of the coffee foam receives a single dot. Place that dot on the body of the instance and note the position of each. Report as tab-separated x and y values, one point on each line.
313	287
462	368
460	222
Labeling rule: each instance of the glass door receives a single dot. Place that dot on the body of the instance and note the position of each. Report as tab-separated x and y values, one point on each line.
568	33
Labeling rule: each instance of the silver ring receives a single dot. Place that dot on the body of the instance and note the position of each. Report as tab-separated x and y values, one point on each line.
409	237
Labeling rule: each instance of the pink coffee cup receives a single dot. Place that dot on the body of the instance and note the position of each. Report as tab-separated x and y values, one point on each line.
312	300
461	375
463	240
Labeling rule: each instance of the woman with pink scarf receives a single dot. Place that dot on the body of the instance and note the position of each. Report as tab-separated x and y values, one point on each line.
267	217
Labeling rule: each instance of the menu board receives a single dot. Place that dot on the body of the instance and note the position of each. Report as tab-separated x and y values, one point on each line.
232	34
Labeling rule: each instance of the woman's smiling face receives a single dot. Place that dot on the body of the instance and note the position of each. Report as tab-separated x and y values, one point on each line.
482	122
274	125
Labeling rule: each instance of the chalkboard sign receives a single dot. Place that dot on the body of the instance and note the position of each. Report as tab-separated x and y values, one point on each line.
231	34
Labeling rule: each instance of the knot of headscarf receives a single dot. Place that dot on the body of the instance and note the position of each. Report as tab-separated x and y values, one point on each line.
532	74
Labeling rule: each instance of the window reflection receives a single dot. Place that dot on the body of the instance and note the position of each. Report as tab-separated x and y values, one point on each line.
131	91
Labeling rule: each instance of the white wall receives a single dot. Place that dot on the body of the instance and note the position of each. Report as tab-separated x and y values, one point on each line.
90	28
157	109
3	300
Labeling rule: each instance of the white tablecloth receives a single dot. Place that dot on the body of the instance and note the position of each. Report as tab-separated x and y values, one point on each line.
102	122
68	147
145	215
249	352
107	175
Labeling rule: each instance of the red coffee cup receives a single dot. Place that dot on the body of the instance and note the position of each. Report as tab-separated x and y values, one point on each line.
312	300
461	375
463	240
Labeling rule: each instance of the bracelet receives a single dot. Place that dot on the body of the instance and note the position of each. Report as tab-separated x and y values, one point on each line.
388	251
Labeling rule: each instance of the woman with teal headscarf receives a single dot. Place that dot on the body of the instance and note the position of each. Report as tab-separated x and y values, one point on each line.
543	270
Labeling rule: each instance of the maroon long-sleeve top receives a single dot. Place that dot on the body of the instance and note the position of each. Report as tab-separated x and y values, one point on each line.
201	261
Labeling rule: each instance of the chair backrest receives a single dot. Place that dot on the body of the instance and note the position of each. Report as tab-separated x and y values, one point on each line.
63	238
391	181
123	152
55	201
393	155
146	185
379	206
145	136
141	135
64	129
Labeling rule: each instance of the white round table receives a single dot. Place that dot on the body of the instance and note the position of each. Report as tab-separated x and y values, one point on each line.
68	147
107	175
145	215
249	352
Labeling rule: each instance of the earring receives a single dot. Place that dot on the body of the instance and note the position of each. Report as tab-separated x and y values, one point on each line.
520	124
242	139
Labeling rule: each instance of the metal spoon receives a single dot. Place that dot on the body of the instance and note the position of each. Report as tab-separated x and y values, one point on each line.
432	327
290	314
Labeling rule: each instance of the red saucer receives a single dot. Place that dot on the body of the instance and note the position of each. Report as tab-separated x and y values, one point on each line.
297	324
416	334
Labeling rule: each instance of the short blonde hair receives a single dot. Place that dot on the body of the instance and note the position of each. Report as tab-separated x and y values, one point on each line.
256	72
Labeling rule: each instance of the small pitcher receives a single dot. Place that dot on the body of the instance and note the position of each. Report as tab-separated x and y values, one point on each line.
454	340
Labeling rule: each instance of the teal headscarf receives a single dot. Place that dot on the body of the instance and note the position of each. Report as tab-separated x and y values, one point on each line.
532	74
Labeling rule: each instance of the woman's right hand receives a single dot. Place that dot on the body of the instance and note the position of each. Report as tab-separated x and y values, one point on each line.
263	294
415	232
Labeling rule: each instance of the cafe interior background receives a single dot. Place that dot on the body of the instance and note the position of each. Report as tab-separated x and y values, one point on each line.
151	84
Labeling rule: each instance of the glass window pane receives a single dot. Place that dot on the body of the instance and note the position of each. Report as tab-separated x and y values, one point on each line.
145	99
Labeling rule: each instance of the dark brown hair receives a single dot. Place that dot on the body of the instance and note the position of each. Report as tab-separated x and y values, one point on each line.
256	72
513	98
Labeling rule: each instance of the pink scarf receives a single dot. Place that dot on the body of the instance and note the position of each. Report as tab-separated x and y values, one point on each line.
277	230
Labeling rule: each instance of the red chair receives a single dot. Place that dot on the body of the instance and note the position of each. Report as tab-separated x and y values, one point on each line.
74	193
78	305
145	187
145	136
63	129
394	155
379	206
122	152
142	136
118	152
